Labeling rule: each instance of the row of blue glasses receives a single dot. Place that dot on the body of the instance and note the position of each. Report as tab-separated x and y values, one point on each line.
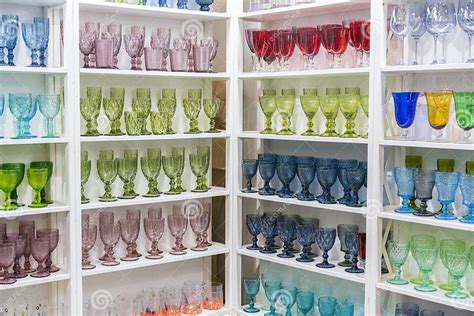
307	231
350	172
412	309
24	106
35	35
419	183
180	4
289	295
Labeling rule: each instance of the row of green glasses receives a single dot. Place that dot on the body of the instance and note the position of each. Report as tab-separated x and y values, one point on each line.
109	167
452	253
38	174
330	104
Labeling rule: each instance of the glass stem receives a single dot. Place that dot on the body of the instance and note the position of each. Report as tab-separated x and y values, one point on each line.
402	54
470	60
435	52
8	201
415	62
37	197
426	279
444	46
398	271
50	126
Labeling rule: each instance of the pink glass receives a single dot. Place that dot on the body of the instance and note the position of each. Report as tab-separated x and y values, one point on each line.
161	39
286	42
309	42
40	251
134	43
20	245
198	223
179	55
213	296
153	58
129	229
110	236
214	48
204	235
7	256
53	235
135	214
115	32
86	46
27	229
355	36
89	237
104	53
105	218
178	225
201	57
190	36
154	229
335	38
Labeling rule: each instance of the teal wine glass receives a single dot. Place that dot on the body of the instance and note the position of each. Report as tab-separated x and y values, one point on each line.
405	186
251	286
327	306
446	184
49	106
272	289
305	302
23	109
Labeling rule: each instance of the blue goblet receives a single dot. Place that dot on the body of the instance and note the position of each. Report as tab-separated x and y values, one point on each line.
249	170
288	298
49	106
163	3
306	174
286	172
205	4
424	183
272	291
355	178
405	109
2	111
351	244
325	238
286	231
278	217
345	164
267	171
327	306
251	286
305	302
466	182
3	43
305	235
31	40
342	230
327	175
296	219
182	4
345	308
10	26
268	230
446	184
254	226
304	160
315	222
405	186
42	32
24	109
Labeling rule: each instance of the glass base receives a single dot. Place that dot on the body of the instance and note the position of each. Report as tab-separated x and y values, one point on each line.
172	193
456	295
91	134
249	191
193	132
397	281
424	213
107	199
354	270
178	252
445	216
110	263
8	280
273	314
151	195
50	136
344	263
199	190
467	219
285	132
37	205
8	208
254	248
268	251
309	133
349	135
266	131
154	257
129	258
284	255
85	201
448	287
286	195
251	310
53	269
20	275
40	274
127	197
213	131
325	265
88	266
404	210
115	134
299	259
428	288
330	134
265	192
199	248
418	281
310	197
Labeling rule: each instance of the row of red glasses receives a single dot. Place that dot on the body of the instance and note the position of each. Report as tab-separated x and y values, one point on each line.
274	48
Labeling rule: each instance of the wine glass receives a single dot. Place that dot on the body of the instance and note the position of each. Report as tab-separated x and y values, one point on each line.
400	26
325	238
268	106
254	226
440	20
330	108
425	258
37	179
129	229
89	237
179	152
463	101
53	235
107	170
272	288
327	176
416	24
306	174
32	41
27	229
24	109
439	106
286	172
342	230
42	32
251	286
249	170
310	106
466	183
20	245
327	306
154	228
249	40
127	170
49	106
285	105
151	166
286	230
351	244
466	22
87	37
261	44
356	178
115	31
405	187
424	183
308	41
178	224
356	38
113	108
454	246
305	302
134	43
305	236
40	249
198	223
335	38
211	108
110	236
8	181
286	42
398	254
10	29
446	185
348	105
192	108
268	230
405	104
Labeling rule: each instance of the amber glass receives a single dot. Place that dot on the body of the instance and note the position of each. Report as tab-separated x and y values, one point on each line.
439	105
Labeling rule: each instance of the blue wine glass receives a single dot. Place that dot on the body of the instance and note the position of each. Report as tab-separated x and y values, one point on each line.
325	238
254	226
356	179
342	230
304	160
327	306
278	217
163	3
251	286
286	172
2	111
42	32
272	291
345	164
205	4
3	43
466	22
268	230
305	302
424	184
10	25
288	298
31	40
296	219
446	184
327	175
249	170
345	308
267	171
24	109
315	222
49	106
305	235
351	244
405	185
407	309
405	109
182	4
306	174
286	231
440	20
466	182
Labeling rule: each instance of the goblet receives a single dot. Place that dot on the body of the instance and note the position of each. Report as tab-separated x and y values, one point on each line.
7	257
356	32
170	167
32	41
335	38
439	105
356	178
348	105
463	101
329	107
272	289
251	286
107	170
425	241
178	225
308	40
286	230
113	108
325	237
134	214
310	106
351	244
88	34
8	182
466	183
89	237
192	108
49	106
53	235
425	259
413	162
21	105
127	171
342	230
20	245
40	248
27	229
408	309
142	107
129	229
305	235
440	20
267	171
286	173
85	173
285	105
45	191
424	182
268	230
110	236
306	174
327	306
90	109
37	178
268	106
398	254
168	108
254	226
115	32
199	224
199	165
454	246
327	176
151	166
211	109
249	170
305	302
154	228
343	166
405	108
446	185
416	23
400	26
405	186
134	43
10	30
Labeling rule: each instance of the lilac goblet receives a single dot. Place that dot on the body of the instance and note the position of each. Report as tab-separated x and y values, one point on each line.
53	235
40	251
110	236
154	228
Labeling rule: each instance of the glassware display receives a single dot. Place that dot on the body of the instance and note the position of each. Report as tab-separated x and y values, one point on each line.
439	106
325	238
424	181
440	20
398	254
405	104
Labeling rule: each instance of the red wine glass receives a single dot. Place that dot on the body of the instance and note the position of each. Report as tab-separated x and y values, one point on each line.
269	56
366	40
336	38
286	42
276	49
309	41
260	40
356	38
249	40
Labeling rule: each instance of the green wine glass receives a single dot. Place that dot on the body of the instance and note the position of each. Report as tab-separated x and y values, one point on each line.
195	94
310	105
132	154
451	245
133	123
37	178
107	170
170	167
349	104
158	123
425	258
310	91
90	109
8	180
142	107
205	151
464	104
196	162
85	174
424	241
168	108
398	254
179	152
329	107
268	106
271	92
288	92
457	264
20	172
285	105
364	104
151	166
127	171
45	192
113	110
192	108
333	91
211	108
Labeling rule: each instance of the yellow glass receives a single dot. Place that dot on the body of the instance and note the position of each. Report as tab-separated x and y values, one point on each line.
349	104
285	106
310	105
329	107
364	102
439	105
268	106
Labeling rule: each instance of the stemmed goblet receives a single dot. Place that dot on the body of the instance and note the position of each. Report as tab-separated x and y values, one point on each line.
416	24
305	235
10	29
45	190
249	170
199	165
439	106
134	43
329	107
286	230
446	185
27	229
405	108
305	302
127	170
110	236
268	230
151	166
268	106
90	109
42	32
49	106
306	173
424	182
405	186
465	12
327	305
463	101
285	105
272	289
115	32
325	237
40	250
327	175
129	230
113	108
53	235
154	228
37	178
440	20
310	106
20	245
168	108
170	167
89	237
286	172
192	108
107	170
343	166
251	286
178	224
198	223
398	254
267	171
7	257
335	39
351	244
400	26
21	105
19	168
88	34
32	41
342	230
211	109
425	258
453	246
254	226
356	178
308	40
8	180
466	183
424	241
348	105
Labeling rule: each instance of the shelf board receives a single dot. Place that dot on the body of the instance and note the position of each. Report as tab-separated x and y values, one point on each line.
302	10
37	3
150	11
426	144
147	73
222	311
27	211
260	313
436	297
337	272
313	204
426	69
163	198
30	281
126	138
142	262
317	139
362	71
33	70
389	213
33	141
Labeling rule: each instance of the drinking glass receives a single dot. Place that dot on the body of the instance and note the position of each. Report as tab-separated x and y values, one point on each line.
272	289
310	106
440	20
424	241
286	173
32	41
335	39
37	178
40	249
406	309
424	181
10	29
355	36
90	109
24	109
267	171
306	174
192	108
7	257
398	254
113	108
285	105
329	107
42	33
286	230
466	183
464	15
127	170
425	258
268	230
451	245
170	167
325	238
89	237
308	41
439	105
463	102
133	123
366	41
343	166
249	170
167	107
115	32
49	166
351	244
199	164
211	108
345	308
198	223
416	24
305	302
327	176
53	235
349	104
107	170
405	186
27	229
154	228
251	286
8	183
268	106
151	166
87	37
400	26
110	236
446	185
305	235
254	226
129	230
134	43
342	230
327	306
49	106
20	245
178	224
142	107
405	108
286	42
364	105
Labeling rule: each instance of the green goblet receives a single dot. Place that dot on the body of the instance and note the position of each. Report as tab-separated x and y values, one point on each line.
272	92
45	192
179	152
142	107
457	264
107	170
211	108
37	178
333	91
425	258
288	92
127	171
151	166
133	123
168	93
196	162
310	105
158	123
20	172
310	91
170	167
195	94
398	254
85	173
8	180
329	107
192	108
90	109
285	105
449	245
364	104
421	241
167	107
349	104
113	110
132	154
464	102
470	167
268	106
